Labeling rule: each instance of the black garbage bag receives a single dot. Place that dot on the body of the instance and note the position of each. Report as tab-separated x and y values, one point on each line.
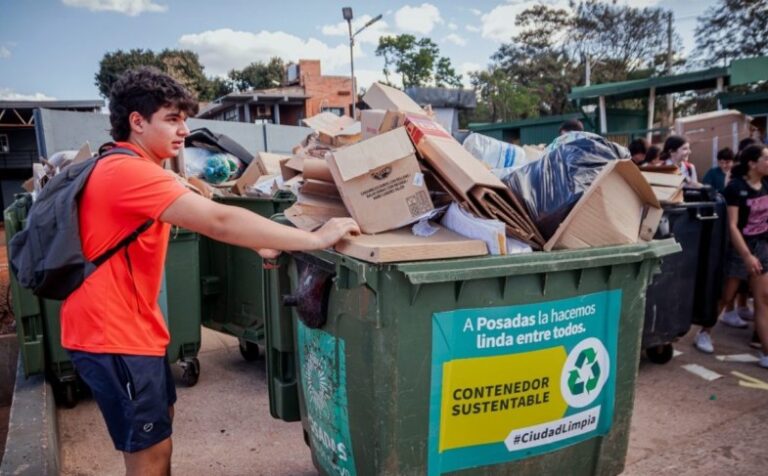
204	138
551	186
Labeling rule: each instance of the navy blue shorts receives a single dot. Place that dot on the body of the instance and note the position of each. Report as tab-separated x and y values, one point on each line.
133	393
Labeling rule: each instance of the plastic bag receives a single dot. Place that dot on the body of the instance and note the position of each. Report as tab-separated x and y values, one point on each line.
213	167
551	186
500	156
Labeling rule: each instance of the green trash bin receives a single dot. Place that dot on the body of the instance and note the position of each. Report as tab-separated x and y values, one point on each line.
519	365
233	277
38	324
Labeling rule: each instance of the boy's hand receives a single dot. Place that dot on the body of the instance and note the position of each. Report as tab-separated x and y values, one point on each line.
268	253
334	230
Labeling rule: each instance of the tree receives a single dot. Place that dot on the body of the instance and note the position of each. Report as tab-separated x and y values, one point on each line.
548	55
417	61
259	75
182	65
732	29
501	99
112	65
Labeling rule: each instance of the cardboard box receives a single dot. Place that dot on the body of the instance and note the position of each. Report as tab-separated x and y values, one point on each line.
619	208
250	175
468	181
710	132
370	120
403	245
668	188
388	98
311	212
335	130
380	182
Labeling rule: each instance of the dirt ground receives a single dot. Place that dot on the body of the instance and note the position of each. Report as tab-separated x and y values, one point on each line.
681	425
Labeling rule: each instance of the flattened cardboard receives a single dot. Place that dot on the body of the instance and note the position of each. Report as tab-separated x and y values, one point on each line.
668	188
311	212
291	167
272	162
250	175
321	188
465	178
388	98
380	182
403	245
619	208
335	130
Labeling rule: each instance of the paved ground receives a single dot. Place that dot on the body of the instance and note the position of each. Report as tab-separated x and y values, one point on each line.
682	424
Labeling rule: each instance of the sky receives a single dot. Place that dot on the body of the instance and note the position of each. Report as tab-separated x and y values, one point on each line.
50	49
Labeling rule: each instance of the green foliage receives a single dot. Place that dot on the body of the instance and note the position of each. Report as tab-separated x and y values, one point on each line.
732	29
548	56
501	99
258	75
182	65
417	61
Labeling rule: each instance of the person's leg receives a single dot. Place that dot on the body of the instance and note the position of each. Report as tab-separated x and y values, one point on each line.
703	339
760	296
152	461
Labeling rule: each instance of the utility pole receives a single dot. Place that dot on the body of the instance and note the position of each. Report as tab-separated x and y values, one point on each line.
346	13
670	104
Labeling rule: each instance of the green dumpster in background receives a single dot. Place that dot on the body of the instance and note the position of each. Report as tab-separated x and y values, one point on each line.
496	365
38	325
233	279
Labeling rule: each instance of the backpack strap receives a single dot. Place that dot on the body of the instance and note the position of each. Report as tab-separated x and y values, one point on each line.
105	151
123	243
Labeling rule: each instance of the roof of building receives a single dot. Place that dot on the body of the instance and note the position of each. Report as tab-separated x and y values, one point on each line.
742	71
525	122
444	97
253	96
52	104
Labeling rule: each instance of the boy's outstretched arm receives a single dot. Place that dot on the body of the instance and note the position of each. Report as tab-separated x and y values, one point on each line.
238	226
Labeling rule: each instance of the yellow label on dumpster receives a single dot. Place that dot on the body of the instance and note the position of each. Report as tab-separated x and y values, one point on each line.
481	403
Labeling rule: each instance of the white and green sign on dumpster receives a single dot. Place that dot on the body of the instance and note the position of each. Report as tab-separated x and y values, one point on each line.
513	382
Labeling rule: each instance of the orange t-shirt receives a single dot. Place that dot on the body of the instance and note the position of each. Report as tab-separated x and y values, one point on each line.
115	310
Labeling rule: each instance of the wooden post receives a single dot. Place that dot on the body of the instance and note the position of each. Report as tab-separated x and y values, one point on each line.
603	120
651	113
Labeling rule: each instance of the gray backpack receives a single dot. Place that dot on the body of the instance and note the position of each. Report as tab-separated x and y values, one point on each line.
47	255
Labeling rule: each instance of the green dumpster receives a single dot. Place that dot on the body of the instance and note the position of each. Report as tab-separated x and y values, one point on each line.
232	279
496	365
38	325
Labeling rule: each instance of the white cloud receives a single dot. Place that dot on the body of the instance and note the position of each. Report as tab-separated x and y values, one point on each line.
421	19
455	39
224	49
640	3
366	77
4	52
475	12
369	35
499	23
126	7
465	69
8	94
473	28
452	26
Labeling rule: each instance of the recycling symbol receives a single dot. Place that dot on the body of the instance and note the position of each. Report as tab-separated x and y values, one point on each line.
586	375
585	372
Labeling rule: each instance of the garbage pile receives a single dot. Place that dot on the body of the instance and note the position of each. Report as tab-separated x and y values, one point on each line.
418	194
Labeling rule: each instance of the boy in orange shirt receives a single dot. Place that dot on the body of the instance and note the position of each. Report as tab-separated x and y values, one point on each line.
112	325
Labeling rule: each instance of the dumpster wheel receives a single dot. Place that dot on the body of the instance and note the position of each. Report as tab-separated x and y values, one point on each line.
249	350
660	354
67	394
191	373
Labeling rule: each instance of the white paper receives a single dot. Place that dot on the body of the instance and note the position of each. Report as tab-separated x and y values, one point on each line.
702	372
745	358
492	232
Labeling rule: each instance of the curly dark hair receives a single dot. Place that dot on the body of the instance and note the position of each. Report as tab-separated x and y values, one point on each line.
145	90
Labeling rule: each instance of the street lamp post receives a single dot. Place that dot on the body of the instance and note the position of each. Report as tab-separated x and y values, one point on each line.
347	14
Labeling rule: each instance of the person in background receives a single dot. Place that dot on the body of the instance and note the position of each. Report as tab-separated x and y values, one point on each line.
571	125
652	157
676	151
746	196
638	149
717	177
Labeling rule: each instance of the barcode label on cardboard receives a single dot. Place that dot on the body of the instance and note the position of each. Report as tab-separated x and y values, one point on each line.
418	203
418	179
